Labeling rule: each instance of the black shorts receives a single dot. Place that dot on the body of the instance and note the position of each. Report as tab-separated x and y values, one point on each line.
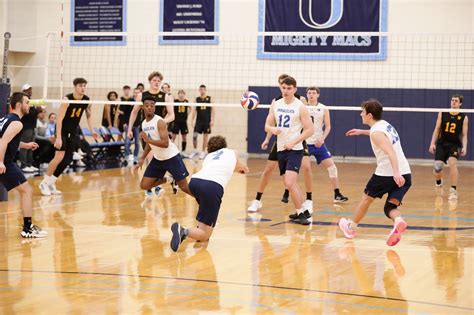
273	156
13	176
175	166
209	197
381	185
202	127
446	150
290	160
180	127
69	142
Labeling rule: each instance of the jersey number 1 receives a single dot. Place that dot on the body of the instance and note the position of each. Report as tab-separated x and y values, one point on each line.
76	112
450	127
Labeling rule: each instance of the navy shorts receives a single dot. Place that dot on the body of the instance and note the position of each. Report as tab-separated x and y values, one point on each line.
13	177
322	153
202	127
175	166
290	160
180	127
273	156
381	185
209	197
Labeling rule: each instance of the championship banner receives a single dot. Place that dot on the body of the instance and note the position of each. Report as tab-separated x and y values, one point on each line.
322	16
98	16
189	16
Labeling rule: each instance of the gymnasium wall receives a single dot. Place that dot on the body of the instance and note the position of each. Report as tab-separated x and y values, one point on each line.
230	67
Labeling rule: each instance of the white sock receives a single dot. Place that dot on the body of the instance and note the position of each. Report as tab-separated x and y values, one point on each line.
169	179
47	179
301	210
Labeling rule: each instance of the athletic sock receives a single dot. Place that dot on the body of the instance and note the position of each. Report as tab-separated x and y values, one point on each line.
337	192
455	187
183	146
309	196
438	182
26	223
286	194
259	196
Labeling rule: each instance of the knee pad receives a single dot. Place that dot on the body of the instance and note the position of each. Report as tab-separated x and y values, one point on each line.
389	207
332	170
195	136
438	166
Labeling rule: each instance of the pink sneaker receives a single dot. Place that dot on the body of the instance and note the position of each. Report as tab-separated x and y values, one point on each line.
396	234
344	226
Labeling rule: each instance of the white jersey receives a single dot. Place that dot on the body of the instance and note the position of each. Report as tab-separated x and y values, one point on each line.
317	116
218	167
384	168
287	117
151	129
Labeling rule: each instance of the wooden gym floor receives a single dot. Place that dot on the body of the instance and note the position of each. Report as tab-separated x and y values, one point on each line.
108	252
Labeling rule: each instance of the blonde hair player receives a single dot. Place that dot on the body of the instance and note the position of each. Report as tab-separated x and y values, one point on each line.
392	175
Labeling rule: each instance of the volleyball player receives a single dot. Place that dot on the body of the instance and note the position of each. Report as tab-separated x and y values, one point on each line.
316	147
392	175
449	141
180	123
69	117
202	118
207	186
289	120
272	163
166	157
11	175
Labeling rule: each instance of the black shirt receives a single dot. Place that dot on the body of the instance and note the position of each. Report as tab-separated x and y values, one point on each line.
29	120
181	111
14	144
105	122
203	112
160	110
451	128
127	110
73	115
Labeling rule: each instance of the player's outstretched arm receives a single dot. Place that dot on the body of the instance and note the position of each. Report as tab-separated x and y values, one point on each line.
358	132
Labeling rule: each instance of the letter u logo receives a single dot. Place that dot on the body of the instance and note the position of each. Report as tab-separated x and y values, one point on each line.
334	18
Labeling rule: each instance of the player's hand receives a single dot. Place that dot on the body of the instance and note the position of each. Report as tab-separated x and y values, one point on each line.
264	145
319	142
144	136
463	151
244	170
3	168
31	146
275	130
289	145
353	132
399	179
58	143
139	164
432	148
110	126
130	134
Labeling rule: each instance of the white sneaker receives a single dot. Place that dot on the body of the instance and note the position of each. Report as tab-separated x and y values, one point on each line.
79	163
35	169
27	169
202	155
33	231
453	194
54	191
255	206
308	205
130	158
76	156
193	155
81	152
44	188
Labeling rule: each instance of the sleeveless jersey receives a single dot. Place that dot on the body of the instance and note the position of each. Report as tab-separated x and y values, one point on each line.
180	112
73	115
384	167
287	117
317	117
14	144
160	110
218	167
203	112
451	128
151	129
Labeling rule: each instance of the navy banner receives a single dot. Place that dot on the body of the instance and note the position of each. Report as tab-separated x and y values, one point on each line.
322	16
98	16
189	16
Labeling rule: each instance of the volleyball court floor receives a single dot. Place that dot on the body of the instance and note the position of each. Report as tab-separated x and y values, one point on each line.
108	250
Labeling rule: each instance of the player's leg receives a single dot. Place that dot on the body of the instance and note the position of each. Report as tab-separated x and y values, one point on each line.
348	226
270	166
330	166
441	156
176	167
205	137
56	167
184	134
391	210
308	182
154	175
453	176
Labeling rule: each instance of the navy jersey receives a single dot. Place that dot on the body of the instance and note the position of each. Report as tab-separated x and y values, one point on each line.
73	115
451	128
181	112
203	112
14	144
160	110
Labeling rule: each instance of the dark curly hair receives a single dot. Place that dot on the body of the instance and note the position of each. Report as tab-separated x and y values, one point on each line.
216	143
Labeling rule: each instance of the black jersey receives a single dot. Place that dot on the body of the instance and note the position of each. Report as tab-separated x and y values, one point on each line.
160	110
281	96
181	111
203	112
451	128
29	120
127	110
73	115
13	145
